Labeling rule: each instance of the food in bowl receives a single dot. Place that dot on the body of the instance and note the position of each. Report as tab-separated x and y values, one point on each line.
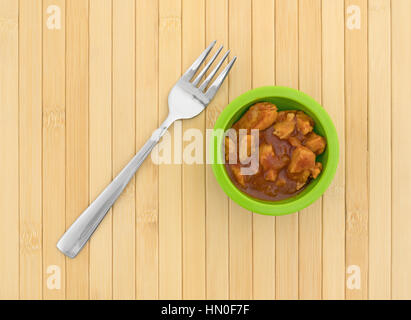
286	99
287	150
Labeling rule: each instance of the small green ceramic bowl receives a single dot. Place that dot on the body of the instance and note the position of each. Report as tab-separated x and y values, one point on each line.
285	99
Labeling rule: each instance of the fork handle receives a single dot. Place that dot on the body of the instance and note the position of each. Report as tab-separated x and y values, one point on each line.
74	239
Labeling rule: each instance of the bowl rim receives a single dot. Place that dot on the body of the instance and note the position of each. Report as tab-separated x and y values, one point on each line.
290	205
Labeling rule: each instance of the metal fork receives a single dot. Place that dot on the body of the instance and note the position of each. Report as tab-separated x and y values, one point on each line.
186	100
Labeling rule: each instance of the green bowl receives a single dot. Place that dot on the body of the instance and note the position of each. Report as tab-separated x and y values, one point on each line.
285	99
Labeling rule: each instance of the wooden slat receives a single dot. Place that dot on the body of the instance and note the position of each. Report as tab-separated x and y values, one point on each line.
77	169
193	188
124	224
401	143
62	139
30	143
241	255
356	187
333	101
100	151
379	119
286	57
146	123
9	150
170	238
263	64
54	147
217	272
310	219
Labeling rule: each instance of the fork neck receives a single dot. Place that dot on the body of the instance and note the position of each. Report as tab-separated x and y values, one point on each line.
157	134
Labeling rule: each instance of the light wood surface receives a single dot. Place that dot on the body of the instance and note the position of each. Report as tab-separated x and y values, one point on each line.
263	74
240	220
286	72
217	203
170	176
310	219
146	122
333	246
54	147
401	173
124	222
379	120
356	142
77	137
101	131
30	149
9	152
193	180
77	102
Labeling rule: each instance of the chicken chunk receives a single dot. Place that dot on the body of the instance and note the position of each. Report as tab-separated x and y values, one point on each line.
236	169
280	182
304	123
230	149
283	129
300	178
266	156
315	143
281	161
270	175
282	115
302	159
303	179
294	141
316	170
259	116
247	147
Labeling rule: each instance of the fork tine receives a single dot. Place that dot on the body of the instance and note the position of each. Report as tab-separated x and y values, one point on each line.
211	92
212	74
209	63
196	65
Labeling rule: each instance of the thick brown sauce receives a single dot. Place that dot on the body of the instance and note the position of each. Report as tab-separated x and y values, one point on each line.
256	186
